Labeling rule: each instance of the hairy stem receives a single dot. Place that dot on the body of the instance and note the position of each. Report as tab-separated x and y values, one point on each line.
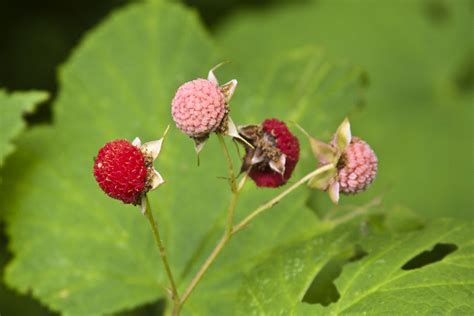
161	247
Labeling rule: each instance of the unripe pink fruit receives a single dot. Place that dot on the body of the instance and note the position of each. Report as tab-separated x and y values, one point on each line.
199	107
357	167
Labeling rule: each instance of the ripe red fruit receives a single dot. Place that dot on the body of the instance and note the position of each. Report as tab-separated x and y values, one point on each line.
274	156
121	171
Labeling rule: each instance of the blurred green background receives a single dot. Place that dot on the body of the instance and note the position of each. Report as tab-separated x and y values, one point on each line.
418	56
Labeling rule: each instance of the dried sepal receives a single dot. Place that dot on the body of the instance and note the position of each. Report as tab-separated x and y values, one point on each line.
234	133
143	204
248	131
137	142
333	192
155	180
343	135
325	153
278	165
211	75
153	148
322	180
228	89
199	143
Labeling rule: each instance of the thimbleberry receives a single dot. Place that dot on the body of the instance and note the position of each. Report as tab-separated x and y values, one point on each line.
201	107
121	171
124	170
274	153
357	167
354	164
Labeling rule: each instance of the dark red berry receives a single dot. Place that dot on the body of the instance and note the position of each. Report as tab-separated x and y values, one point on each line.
121	171
271	140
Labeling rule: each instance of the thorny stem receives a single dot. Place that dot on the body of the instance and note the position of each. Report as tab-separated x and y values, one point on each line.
161	247
232	230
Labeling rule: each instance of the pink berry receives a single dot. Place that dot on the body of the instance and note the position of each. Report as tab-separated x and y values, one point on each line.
199	107
121	171
357	167
271	141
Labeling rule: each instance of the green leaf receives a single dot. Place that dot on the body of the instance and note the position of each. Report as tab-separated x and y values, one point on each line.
72	244
11	302
376	284
12	107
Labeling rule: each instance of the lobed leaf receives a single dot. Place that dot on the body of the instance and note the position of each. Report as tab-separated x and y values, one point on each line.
378	283
12	107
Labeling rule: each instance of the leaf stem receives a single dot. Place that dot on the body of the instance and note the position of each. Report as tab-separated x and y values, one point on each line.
161	247
278	198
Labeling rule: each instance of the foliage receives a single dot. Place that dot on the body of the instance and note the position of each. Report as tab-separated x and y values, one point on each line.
12	107
379	283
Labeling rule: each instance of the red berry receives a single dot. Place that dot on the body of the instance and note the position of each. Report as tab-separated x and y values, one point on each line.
271	140
121	171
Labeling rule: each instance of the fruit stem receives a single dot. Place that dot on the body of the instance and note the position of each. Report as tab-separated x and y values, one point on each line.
230	165
277	198
236	189
161	248
238	227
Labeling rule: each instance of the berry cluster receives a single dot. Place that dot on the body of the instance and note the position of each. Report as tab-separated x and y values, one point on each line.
125	171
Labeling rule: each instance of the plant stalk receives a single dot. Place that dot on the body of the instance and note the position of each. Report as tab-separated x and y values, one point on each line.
230	165
161	247
229	232
278	198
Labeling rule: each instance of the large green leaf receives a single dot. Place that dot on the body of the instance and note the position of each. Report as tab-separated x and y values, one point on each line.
12	107
75	249
419	58
82	253
376	284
